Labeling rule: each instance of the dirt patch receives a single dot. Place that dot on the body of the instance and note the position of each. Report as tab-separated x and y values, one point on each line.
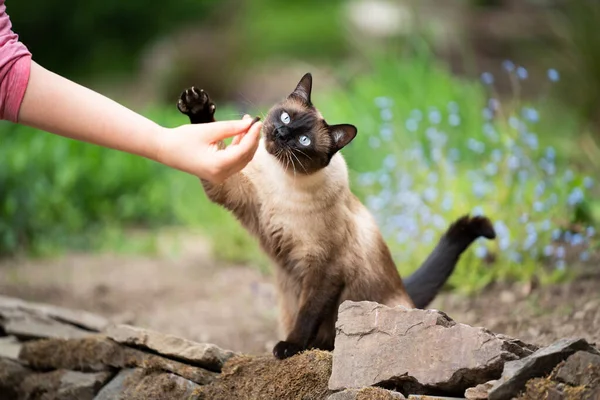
190	295
304	376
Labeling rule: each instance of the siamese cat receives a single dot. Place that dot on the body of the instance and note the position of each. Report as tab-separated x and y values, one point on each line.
294	198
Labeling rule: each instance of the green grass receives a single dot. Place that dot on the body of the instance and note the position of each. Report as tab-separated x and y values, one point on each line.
58	194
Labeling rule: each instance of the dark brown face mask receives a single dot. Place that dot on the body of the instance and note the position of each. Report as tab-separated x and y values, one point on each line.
299	137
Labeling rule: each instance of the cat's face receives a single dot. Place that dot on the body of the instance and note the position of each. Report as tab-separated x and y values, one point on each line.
298	136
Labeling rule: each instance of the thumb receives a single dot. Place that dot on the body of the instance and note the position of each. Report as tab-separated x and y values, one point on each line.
224	129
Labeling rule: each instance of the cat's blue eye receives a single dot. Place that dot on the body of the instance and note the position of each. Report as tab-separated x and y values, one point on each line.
304	140
285	118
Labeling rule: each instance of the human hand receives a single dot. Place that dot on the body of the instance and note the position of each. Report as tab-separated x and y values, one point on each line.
198	148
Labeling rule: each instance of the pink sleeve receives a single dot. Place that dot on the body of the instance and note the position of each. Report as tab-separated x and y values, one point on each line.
15	64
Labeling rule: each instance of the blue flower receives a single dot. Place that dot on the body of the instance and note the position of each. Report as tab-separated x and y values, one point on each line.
430	194
560	252
493	104
383	102
366	179
538	206
432	178
575	197
487	78
513	162
453	107
428	236
454	119
435	117
490	132
590	231
480	252
454	154
588	182
560	265
389	161
553	75
386	114
550	153
522	73
508	65
546	225
496	155
548	250
386	132
568	175
487	114
539	188
577	239
584	256
531	140
416	114
556	233
491	169
447	202
374	142
524	218
475	145
411	125
531	114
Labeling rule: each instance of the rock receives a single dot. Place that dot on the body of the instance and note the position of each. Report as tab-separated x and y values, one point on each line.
9	347
25	325
98	354
479	392
582	368
367	393
63	385
113	389
542	362
81	319
12	374
207	356
415	351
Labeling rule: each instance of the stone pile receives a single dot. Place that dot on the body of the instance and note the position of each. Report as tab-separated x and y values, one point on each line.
47	352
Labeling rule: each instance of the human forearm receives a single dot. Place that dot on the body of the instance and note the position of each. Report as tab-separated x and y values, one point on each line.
57	105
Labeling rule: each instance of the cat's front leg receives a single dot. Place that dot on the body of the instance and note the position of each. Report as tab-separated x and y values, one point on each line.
237	193
318	300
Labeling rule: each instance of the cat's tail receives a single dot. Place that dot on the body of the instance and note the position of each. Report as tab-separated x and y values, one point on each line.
424	284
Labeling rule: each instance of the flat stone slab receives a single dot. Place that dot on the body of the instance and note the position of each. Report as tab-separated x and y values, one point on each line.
415	351
516	373
27	325
205	355
82	319
99	354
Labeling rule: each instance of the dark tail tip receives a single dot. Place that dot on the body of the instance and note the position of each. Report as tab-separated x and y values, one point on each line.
470	228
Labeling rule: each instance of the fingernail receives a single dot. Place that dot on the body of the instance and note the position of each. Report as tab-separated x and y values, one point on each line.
255	120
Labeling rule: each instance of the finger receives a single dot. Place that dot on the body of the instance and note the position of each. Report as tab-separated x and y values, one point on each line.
220	130
236	157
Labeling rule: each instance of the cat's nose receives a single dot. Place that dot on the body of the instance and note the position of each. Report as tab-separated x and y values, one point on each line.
281	132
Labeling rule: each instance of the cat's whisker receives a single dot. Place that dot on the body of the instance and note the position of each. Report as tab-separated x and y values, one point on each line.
304	154
299	163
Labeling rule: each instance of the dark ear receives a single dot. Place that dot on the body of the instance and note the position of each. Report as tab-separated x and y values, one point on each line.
303	89
342	134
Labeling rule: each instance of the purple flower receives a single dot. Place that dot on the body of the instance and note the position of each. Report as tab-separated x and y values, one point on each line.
508	65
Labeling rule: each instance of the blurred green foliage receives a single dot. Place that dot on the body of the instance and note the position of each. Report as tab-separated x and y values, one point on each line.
79	38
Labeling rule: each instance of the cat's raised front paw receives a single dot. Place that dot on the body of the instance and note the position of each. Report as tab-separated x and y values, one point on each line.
196	104
285	349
